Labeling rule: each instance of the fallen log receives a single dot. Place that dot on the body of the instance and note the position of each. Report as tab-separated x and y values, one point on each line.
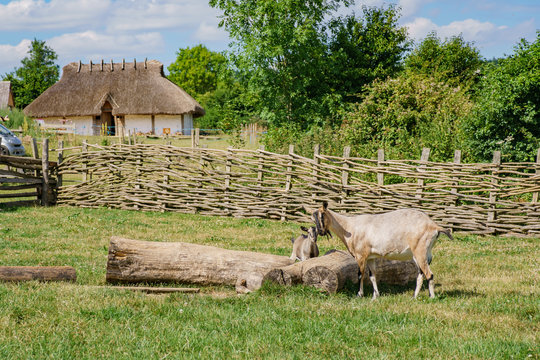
333	270
40	273
132	261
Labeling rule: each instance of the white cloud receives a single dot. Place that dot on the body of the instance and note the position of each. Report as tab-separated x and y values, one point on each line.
409	8
11	56
38	15
90	45
487	36
160	14
210	32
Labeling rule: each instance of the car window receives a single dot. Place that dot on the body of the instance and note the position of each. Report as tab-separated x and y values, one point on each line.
4	130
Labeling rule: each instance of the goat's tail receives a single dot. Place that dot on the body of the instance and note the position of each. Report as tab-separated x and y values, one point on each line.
447	232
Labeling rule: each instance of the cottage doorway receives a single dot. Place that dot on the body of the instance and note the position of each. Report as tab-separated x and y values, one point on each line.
107	119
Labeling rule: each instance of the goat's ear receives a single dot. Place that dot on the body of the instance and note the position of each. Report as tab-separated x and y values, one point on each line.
304	228
292	240
325	205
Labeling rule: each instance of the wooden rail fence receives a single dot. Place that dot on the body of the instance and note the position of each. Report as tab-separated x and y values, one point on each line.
28	181
476	198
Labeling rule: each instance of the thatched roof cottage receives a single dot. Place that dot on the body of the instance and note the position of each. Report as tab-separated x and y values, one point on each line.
6	95
116	98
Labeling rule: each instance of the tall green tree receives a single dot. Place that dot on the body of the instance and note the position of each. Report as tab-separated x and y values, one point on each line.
507	112
366	48
196	70
451	60
280	48
37	73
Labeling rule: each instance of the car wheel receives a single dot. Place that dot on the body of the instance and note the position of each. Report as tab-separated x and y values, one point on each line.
4	150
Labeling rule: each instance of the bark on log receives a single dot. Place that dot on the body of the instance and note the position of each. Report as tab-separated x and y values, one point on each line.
145	261
40	273
332	271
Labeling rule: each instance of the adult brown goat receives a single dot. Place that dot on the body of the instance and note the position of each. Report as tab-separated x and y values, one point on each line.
397	235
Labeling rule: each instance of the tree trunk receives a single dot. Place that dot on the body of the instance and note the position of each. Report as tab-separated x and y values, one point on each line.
146	261
41	273
332	271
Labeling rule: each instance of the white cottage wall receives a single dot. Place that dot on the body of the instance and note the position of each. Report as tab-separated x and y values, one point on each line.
82	124
138	123
171	122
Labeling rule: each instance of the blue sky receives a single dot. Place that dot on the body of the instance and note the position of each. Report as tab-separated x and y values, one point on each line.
155	29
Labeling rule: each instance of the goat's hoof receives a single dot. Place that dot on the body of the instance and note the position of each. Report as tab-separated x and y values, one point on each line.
359	295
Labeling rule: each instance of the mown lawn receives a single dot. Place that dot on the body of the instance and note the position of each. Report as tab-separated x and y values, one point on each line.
487	305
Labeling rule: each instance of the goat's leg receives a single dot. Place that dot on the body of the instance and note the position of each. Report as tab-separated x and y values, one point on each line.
425	271
419	282
372	277
361	274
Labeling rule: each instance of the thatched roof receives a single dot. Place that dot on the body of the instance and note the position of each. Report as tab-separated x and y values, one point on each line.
131	88
6	97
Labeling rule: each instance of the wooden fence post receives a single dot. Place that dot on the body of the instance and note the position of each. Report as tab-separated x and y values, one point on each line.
35	154
228	169
129	137
45	201
345	173
380	175
535	194
455	180
260	167
316	161
84	166
424	158
288	180
494	182
60	159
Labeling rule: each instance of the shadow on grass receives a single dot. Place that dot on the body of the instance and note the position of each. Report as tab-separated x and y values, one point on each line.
351	290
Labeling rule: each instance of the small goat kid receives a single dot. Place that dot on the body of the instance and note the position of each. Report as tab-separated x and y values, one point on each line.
397	235
305	245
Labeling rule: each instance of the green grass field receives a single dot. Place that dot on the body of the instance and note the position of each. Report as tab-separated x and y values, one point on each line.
487	304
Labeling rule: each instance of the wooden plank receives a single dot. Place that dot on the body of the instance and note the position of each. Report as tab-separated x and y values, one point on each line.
19	181
40	273
17	195
19	203
152	290
17	187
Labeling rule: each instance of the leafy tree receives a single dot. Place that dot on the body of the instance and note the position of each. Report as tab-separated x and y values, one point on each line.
453	60
196	70
404	114
366	48
280	50
37	73
507	112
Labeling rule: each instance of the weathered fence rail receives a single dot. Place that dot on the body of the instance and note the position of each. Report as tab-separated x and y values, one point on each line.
28	181
478	198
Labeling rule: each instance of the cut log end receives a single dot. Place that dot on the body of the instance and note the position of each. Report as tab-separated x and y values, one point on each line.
322	278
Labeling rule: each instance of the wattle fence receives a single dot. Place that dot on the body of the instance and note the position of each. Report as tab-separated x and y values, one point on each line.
485	198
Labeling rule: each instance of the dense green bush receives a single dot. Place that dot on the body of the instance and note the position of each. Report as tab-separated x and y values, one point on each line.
506	116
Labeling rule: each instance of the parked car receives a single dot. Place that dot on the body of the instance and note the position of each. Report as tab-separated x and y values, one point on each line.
11	145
